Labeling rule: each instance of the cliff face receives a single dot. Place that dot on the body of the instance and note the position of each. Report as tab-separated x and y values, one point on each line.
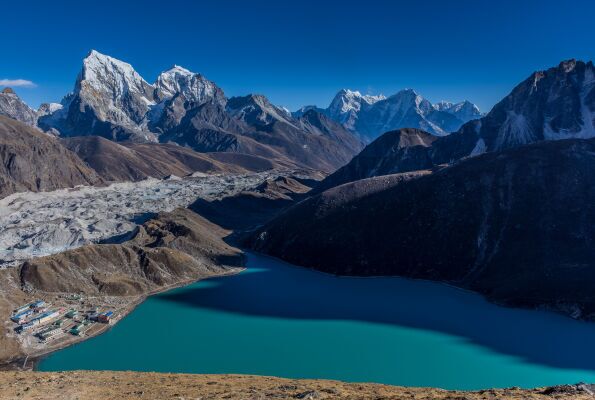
516	226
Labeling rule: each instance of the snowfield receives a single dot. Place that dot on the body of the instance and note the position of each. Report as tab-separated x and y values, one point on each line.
39	224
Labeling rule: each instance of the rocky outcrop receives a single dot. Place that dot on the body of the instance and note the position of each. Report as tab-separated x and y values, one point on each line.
515	226
31	160
371	116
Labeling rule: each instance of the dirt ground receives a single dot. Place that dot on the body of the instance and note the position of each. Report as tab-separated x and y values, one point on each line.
139	385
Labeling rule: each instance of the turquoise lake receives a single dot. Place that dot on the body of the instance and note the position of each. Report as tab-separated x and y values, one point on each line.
276	319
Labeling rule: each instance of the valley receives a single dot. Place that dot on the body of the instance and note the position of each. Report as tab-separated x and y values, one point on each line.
180	237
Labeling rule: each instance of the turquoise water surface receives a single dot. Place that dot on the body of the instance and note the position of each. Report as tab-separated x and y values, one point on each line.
276	319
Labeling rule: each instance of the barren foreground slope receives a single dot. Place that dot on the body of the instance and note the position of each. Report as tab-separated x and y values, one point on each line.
143	385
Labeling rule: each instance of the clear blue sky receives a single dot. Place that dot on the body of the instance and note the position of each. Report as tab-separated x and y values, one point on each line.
301	52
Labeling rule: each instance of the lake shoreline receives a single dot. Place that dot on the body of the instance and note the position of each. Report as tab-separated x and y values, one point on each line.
303	321
30	362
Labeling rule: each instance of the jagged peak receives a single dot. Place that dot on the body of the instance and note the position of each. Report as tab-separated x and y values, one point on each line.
8	90
191	85
407	92
97	65
252	98
177	70
95	57
349	92
567	65
356	94
449	106
257	107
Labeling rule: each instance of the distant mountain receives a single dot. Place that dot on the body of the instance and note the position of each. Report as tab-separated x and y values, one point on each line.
12	106
112	100
347	106
371	116
515	225
31	160
464	111
303	110
558	103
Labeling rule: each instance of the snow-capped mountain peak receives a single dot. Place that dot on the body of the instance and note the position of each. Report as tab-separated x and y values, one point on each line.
111	99
347	100
347	104
193	86
107	74
113	90
464	110
443	105
373	115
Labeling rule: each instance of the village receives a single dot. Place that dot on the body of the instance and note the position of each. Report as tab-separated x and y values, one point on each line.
45	322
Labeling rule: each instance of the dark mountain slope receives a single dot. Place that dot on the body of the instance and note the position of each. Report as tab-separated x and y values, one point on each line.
32	160
517	226
252	207
401	150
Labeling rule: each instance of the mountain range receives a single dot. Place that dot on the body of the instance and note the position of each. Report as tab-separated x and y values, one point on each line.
110	99
370	116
